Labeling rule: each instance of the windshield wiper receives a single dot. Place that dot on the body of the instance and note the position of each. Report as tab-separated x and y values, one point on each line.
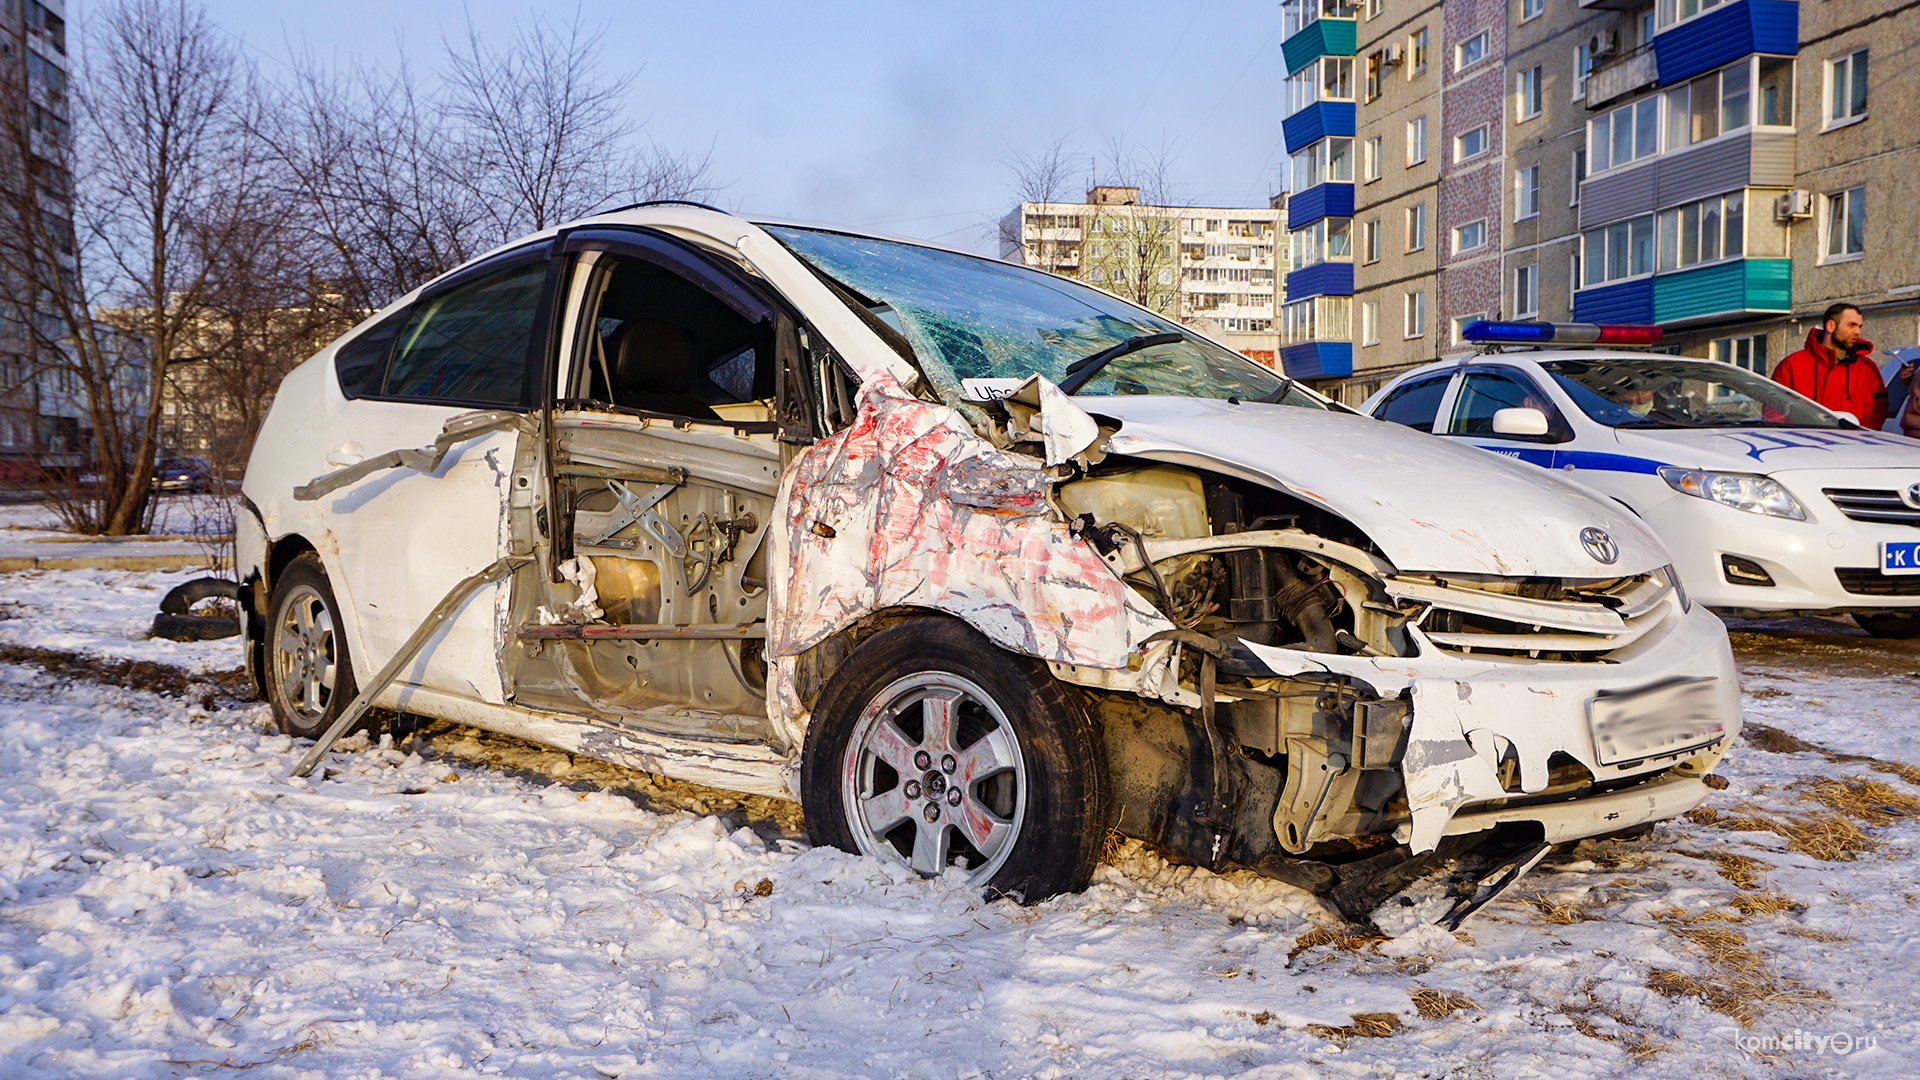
1286	384
1085	368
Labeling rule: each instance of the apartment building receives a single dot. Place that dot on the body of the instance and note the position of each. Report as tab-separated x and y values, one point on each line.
40	420
1318	126
1213	267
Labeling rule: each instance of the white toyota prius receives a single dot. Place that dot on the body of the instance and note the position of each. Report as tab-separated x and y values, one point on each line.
1770	503
979	564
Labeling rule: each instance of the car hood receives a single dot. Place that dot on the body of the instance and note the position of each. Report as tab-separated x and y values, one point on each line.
1766	450
1429	505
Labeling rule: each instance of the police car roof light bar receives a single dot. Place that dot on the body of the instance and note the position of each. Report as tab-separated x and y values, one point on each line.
1551	333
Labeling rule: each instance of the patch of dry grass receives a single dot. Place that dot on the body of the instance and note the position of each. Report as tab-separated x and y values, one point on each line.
1440	1004
1816	935
1773	740
1826	836
1345	942
1364	1026
1741	985
1765	903
1562	912
1623	1030
1743	870
1874	802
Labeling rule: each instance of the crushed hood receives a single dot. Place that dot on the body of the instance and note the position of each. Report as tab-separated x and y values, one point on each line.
1430	505
1766	450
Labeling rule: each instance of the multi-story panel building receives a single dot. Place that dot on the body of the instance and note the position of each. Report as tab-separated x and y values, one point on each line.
1210	266
37	416
1472	159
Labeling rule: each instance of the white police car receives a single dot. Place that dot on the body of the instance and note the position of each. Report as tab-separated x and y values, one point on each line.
1770	503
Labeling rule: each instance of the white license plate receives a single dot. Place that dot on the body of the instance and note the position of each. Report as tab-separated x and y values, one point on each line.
1656	721
1900	556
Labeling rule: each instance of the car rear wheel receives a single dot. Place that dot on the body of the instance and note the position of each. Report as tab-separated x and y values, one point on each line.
1890	624
933	749
309	673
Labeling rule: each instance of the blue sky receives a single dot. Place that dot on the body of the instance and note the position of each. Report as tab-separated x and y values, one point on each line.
897	116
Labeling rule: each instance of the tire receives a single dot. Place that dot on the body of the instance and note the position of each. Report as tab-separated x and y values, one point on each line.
309	672
880	778
1890	624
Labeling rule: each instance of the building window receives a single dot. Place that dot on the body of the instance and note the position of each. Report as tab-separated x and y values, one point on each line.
1579	174
1416	140
1845	225
1376	66
1417	227
1618	251
1703	232
1470	237
1847	88
1748	351
1373	156
1323	161
1460	324
1527	97
1624	135
1671	12
1526	291
1470	52
1416	315
1531	9
1325	240
1470	145
1374	8
1722	101
1417	52
1582	67
1371	236
1370	322
1526	192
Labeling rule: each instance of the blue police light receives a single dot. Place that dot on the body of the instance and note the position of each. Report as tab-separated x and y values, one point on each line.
1543	333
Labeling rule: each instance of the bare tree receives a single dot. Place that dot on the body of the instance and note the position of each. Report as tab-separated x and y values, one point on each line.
543	136
1051	176
166	173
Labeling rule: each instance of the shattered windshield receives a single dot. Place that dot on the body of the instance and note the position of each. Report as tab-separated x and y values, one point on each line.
971	318
1668	392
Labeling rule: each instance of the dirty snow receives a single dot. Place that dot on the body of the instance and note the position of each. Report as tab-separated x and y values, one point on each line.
458	904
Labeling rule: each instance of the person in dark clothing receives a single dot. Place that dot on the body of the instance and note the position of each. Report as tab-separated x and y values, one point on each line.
1830	370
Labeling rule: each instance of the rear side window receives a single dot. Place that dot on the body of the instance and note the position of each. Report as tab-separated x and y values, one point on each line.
360	363
1415	404
471	343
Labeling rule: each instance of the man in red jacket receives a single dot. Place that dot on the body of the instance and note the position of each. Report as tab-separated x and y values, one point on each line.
1831	371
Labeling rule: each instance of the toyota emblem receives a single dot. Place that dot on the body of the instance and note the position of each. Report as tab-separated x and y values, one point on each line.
1600	545
1913	495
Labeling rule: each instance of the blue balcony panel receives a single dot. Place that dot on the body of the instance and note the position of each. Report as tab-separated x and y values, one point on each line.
1319	201
1725	35
1317	360
1319	120
1321	279
1627	302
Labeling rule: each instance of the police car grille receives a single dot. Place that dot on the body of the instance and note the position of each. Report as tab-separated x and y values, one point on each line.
1867	581
1871	504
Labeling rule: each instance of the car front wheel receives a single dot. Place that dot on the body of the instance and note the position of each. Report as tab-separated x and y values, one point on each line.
934	749
1890	624
310	676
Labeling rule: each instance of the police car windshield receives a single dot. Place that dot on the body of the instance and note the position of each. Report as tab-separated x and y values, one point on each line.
1670	392
979	325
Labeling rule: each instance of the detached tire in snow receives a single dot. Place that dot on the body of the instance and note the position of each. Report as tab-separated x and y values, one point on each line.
932	748
309	674
1893	624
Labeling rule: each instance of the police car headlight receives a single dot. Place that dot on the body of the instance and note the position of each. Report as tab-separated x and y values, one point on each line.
1742	491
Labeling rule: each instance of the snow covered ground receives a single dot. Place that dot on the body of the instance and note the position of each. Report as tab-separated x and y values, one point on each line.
171	904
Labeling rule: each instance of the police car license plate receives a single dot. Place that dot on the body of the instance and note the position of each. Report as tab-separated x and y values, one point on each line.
1900	556
1656	721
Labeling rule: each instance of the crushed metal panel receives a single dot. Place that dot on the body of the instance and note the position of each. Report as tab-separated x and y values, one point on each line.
908	506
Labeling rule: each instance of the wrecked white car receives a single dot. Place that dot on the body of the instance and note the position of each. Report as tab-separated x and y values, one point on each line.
979	564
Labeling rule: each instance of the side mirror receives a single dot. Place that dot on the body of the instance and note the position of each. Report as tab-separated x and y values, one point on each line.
1841	413
1519	422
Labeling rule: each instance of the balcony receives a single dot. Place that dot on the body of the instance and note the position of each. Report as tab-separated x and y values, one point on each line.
1624	302
1758	158
1317	121
1726	34
1626	75
1317	360
1319	201
1330	278
1728	290
1321	37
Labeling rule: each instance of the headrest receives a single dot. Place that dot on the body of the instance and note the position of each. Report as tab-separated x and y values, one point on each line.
647	354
